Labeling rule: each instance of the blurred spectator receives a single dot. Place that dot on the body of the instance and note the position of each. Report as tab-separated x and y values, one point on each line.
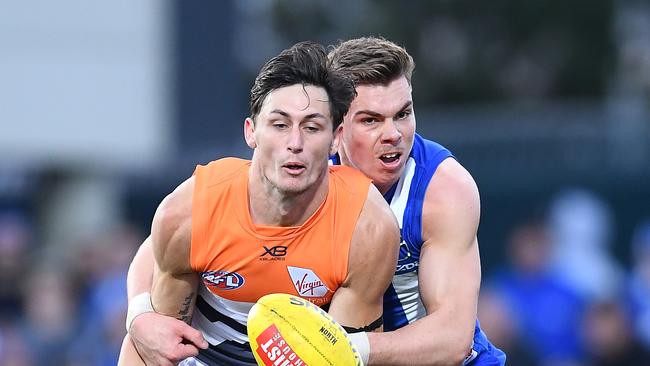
496	320
64	312
546	310
50	323
639	283
608	337
103	265
14	350
15	237
580	225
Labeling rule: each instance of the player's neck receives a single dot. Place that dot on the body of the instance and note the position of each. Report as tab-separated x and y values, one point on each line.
384	188
271	207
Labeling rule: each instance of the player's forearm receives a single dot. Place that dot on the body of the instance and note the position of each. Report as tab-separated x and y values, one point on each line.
138	283
432	340
174	294
140	276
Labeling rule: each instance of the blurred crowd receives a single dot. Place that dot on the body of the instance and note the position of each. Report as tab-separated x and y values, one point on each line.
65	311
559	297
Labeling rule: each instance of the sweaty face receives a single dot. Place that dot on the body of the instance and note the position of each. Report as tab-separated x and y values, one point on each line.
377	132
292	137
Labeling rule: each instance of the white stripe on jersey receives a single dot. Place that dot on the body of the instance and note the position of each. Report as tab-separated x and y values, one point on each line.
218	332
237	310
406	285
407	288
401	196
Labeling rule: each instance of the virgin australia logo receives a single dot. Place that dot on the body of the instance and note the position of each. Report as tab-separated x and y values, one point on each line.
307	282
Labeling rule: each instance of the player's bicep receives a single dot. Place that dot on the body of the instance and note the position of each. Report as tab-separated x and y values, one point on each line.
449	271
449	279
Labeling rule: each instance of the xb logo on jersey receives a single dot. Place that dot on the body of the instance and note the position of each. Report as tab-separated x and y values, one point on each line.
276	253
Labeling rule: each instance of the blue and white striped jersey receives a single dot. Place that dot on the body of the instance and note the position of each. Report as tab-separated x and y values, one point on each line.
402	302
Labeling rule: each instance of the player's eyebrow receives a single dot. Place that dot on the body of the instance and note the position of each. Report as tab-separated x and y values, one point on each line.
314	115
368	112
406	105
281	112
377	114
309	116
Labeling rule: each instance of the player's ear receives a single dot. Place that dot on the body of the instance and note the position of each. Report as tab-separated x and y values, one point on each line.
334	147
249	132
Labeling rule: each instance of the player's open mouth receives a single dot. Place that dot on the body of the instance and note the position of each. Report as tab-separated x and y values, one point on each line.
294	168
391	158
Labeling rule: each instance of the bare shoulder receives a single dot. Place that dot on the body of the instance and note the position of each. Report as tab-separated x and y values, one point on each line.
376	220
171	230
376	236
452	184
177	206
452	201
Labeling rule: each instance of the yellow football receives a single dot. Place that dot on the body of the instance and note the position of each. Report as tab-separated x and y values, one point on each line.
286	330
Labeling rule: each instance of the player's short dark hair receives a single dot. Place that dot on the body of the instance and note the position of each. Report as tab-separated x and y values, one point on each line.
304	63
372	60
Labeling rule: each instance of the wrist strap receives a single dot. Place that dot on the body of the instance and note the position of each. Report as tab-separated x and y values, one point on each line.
360	341
139	304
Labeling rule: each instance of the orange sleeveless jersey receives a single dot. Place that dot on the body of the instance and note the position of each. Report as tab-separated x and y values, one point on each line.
240	261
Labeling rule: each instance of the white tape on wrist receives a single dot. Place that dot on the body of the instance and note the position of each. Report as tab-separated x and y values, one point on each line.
139	304
360	341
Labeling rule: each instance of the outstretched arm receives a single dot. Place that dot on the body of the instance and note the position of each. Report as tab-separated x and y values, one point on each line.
173	290
140	276
138	282
160	339
449	277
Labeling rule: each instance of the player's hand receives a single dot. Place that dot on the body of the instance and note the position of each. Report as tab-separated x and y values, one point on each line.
165	341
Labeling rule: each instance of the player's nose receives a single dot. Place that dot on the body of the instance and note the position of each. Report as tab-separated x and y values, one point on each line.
390	133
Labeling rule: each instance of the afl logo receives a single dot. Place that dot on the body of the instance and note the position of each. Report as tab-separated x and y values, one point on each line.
223	280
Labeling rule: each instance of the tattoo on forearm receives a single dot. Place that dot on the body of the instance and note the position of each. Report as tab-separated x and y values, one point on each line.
184	313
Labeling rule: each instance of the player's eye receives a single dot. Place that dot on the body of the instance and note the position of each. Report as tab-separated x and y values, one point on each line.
403	114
